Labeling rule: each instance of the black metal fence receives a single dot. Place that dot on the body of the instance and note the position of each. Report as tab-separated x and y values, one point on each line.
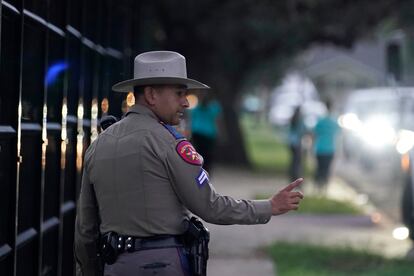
58	60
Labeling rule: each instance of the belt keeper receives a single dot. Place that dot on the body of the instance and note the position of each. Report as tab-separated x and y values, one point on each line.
130	244
121	244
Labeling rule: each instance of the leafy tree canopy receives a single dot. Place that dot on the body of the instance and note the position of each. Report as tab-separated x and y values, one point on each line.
226	41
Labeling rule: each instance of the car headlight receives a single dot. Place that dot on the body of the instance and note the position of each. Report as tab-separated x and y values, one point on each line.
350	121
378	132
405	141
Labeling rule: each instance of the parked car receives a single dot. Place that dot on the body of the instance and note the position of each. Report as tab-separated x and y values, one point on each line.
377	122
378	128
407	199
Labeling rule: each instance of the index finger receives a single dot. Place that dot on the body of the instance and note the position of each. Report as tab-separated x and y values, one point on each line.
293	185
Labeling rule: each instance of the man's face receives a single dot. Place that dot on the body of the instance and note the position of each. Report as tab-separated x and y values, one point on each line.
170	101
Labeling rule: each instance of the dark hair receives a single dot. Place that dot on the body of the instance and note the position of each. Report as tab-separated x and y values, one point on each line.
296	117
138	90
328	105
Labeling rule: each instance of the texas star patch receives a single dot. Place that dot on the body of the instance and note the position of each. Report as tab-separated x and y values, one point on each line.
187	152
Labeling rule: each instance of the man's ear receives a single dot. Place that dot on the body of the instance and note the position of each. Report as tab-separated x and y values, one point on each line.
150	95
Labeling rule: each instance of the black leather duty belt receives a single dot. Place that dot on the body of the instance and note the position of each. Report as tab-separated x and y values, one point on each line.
131	244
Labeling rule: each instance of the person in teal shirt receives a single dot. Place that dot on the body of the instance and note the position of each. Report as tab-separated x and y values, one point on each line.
204	128
325	132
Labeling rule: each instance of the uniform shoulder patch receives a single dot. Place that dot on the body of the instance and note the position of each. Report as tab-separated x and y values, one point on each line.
173	131
188	153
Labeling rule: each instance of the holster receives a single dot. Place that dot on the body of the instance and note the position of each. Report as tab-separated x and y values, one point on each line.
196	239
111	245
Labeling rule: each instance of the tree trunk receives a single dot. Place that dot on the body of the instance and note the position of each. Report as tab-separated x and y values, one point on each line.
231	147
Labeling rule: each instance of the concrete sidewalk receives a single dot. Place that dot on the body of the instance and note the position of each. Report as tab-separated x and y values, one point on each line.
235	249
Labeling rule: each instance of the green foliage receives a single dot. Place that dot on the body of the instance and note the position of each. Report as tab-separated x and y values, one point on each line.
230	44
233	38
310	260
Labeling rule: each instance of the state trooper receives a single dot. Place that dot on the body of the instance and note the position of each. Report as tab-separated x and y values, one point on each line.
143	181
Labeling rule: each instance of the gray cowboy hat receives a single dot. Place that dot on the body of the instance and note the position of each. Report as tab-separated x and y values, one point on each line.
159	67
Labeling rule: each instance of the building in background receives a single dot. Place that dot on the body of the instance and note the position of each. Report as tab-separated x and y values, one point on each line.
374	61
295	90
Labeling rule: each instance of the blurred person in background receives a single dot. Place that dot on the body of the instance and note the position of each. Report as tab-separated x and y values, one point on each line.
324	134
296	132
204	128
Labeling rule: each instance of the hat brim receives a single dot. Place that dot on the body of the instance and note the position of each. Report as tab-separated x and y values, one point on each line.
128	85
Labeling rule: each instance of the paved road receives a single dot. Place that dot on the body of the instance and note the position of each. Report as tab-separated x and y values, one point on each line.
235	250
382	183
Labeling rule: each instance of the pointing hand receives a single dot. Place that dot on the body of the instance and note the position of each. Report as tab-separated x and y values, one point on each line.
287	199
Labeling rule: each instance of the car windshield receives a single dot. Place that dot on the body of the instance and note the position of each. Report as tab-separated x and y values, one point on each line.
397	108
366	107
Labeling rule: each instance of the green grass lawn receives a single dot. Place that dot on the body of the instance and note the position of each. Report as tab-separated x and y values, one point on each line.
309	260
323	205
267	150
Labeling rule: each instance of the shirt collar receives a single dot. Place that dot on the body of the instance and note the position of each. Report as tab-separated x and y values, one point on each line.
141	109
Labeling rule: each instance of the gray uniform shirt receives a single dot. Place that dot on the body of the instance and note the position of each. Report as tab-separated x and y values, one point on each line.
141	178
